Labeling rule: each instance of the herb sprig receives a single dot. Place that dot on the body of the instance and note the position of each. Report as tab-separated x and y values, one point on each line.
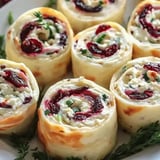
43	22
144	137
2	51
51	3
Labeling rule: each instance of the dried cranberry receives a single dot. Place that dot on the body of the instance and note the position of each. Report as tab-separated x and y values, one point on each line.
13	78
52	107
26	30
155	32
4	105
102	28
63	39
27	100
97	106
83	7
136	95
31	45
95	102
111	1
152	66
107	52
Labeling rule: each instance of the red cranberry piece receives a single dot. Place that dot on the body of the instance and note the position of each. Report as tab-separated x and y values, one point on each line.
26	30
4	105
155	32
97	106
52	107
63	39
27	100
13	78
136	95
95	50
81	116
152	67
83	7
30	46
111	1
102	28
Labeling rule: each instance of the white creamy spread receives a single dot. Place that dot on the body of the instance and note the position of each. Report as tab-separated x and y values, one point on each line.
66	113
11	95
133	78
112	36
141	34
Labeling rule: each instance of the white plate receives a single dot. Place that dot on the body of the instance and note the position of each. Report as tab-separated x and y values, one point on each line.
17	7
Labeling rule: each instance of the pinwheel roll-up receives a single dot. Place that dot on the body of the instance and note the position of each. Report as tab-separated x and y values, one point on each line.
144	28
86	13
136	87
19	94
99	51
41	38
77	118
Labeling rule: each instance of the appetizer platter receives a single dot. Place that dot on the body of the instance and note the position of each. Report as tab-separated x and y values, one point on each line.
89	131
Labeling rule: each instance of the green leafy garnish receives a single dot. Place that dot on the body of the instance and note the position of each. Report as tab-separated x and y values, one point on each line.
44	23
10	18
21	144
2	51
39	155
47	112
51	3
144	137
146	78
101	38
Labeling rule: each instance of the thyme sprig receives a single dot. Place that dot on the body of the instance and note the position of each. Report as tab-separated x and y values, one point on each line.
46	25
144	137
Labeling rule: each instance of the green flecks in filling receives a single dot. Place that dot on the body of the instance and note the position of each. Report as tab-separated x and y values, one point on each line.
46	25
69	102
104	97
146	78
58	117
86	53
124	68
158	79
101	38
47	112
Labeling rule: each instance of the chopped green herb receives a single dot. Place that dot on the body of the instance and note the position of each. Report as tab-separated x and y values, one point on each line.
124	68
59	117
83	51
146	78
104	97
76	109
101	38
144	137
47	112
44	23
158	79
69	102
10	18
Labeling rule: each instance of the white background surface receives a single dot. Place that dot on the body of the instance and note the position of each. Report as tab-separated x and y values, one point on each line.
17	7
